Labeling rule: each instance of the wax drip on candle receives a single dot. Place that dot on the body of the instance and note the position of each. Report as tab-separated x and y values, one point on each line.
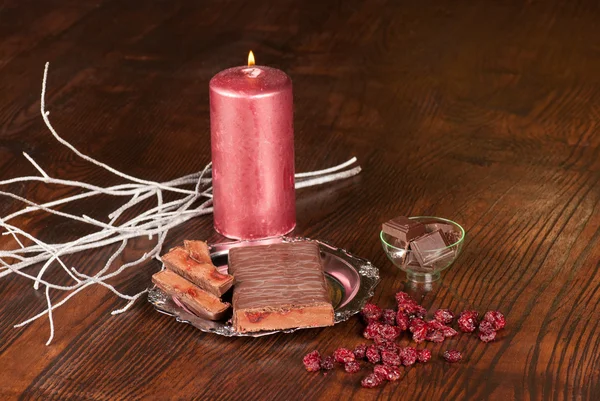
251	72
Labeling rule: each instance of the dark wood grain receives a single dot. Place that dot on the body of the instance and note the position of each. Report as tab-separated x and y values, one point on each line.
481	111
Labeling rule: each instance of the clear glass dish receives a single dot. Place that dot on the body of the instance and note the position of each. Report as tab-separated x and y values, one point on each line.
405	259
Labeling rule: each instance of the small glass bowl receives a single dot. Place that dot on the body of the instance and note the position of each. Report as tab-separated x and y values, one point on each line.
406	260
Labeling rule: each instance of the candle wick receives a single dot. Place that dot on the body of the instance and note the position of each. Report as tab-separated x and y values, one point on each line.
252	72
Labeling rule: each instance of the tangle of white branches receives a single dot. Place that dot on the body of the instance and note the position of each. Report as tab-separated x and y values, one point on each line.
194	198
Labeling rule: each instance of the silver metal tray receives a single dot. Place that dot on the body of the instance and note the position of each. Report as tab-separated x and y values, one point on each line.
351	280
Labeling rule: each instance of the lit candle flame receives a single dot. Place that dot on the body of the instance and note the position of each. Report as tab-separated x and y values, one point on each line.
251	58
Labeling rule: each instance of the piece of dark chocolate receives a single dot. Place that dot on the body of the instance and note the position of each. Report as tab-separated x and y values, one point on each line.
431	248
450	232
403	228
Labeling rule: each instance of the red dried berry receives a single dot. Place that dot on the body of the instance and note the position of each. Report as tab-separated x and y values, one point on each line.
370	312
496	318
390	358
486	327
390	333
402	297
360	351
352	367
402	321
408	307
449	332
419	312
386	345
408	356
343	355
420	334
424	355
435	325
389	373
388	316
372	330
435	336
487	332
327	363
312	361
467	321
373	354
444	316
452	356
415	323
489	337
372	380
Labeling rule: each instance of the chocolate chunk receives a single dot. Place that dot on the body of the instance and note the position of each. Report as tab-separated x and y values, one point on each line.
403	228
432	248
452	236
191	296
450	232
279	286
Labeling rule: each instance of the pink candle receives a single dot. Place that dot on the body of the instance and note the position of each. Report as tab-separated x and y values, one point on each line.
252	141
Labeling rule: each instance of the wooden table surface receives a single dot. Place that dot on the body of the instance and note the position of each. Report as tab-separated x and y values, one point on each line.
480	111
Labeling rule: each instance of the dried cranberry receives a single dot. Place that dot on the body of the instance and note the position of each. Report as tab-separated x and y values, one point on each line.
419	312
327	363
386	345
486	327
343	355
424	355
388	316
373	354
390	333
452	356
408	356
435	336
409	307
402	297
360	351
402	321
371	381
312	361
372	330
416	323
487	332
467	321
390	358
420	334
435	325
496	318
489	337
444	316
389	373
370	312
449	332
352	367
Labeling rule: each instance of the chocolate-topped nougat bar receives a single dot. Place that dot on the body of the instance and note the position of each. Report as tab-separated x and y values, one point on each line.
279	286
194	264
198	301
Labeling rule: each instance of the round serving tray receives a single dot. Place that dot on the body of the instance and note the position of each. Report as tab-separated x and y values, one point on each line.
351	281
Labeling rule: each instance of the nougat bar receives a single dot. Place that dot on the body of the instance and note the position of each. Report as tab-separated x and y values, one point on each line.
198	251
199	302
279	286
192	266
